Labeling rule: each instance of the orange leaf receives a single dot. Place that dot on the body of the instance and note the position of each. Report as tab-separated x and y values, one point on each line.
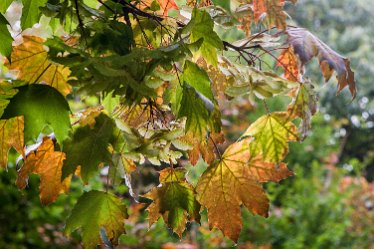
30	59
48	164
271	11
166	5
234	180
288	60
11	135
203	147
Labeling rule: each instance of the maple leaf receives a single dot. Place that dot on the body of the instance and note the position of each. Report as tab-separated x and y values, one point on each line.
4	5
271	133
7	91
96	210
271	11
289	61
201	27
166	5
31	12
89	147
30	59
174	200
304	106
5	37
307	46
46	162
204	147
43	107
235	180
11	135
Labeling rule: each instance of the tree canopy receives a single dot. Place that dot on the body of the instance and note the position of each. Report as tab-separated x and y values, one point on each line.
160	74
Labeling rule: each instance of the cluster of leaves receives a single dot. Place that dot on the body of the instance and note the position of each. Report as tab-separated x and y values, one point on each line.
161	77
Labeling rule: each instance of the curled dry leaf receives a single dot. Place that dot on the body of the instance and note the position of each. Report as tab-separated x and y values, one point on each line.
306	46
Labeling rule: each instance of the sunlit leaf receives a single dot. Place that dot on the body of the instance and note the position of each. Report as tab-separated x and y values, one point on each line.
30	60
31	12
174	200
43	108
11	136
46	162
271	133
288	60
234	180
201	27
93	211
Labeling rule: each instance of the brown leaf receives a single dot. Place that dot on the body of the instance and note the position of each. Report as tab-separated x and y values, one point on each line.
11	135
307	46
30	59
46	162
234	180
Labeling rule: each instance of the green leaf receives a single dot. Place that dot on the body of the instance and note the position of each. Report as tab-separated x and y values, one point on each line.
4	5
197	110
223	3
5	37
272	132
198	79
175	200
31	12
93	211
201	26
43	107
89	147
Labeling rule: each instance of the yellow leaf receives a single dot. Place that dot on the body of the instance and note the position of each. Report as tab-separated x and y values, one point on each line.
11	135
233	181
48	164
30	59
271	133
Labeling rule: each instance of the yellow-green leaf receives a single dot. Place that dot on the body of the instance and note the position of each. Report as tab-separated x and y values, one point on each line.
271	133
96	210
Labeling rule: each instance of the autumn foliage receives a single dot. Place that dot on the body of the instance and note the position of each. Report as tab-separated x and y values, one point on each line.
162	74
